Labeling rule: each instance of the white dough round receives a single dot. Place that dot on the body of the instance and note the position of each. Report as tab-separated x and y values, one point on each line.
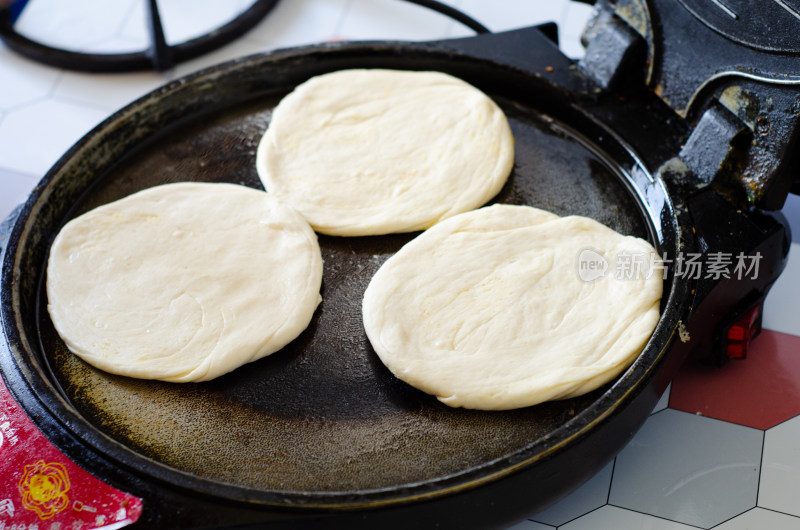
369	152
183	282
486	310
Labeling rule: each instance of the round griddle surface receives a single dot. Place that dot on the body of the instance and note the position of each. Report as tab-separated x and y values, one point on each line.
323	414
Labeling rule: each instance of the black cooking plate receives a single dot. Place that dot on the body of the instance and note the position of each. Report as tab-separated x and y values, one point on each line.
321	428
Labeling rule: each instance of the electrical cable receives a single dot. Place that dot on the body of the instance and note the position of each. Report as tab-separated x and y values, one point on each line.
453	13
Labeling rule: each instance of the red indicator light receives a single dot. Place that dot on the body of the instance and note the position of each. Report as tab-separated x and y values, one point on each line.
737	332
741	332
736	351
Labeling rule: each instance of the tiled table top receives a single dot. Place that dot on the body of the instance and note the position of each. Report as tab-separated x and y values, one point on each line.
722	448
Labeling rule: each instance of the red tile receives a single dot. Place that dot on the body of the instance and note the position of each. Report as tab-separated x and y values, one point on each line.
760	391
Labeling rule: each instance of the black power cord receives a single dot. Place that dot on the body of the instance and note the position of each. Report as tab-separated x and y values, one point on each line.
453	13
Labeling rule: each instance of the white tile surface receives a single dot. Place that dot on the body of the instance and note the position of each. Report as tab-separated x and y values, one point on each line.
510	14
179	26
391	20
33	137
780	468
781	311
501	15
571	26
118	89
760	519
116	44
575	18
792	212
663	402
72	25
688	468
22	81
207	15
16	188
234	50
571	46
299	22
614	518
592	495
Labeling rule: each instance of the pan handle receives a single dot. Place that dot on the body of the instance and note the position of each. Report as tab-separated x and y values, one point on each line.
534	50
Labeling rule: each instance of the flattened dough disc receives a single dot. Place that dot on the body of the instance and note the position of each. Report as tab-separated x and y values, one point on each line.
487	310
183	282
368	152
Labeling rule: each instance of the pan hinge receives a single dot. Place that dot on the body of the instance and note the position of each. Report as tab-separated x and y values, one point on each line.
746	126
615	52
744	142
716	145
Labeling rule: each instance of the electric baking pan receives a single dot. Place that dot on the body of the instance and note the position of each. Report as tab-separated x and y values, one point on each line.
320	434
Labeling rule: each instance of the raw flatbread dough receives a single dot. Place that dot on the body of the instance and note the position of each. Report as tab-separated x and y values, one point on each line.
368	152
486	310
183	282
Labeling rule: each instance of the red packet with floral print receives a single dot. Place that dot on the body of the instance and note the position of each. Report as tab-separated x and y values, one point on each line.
41	489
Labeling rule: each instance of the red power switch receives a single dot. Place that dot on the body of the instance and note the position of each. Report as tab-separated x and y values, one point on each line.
742	332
